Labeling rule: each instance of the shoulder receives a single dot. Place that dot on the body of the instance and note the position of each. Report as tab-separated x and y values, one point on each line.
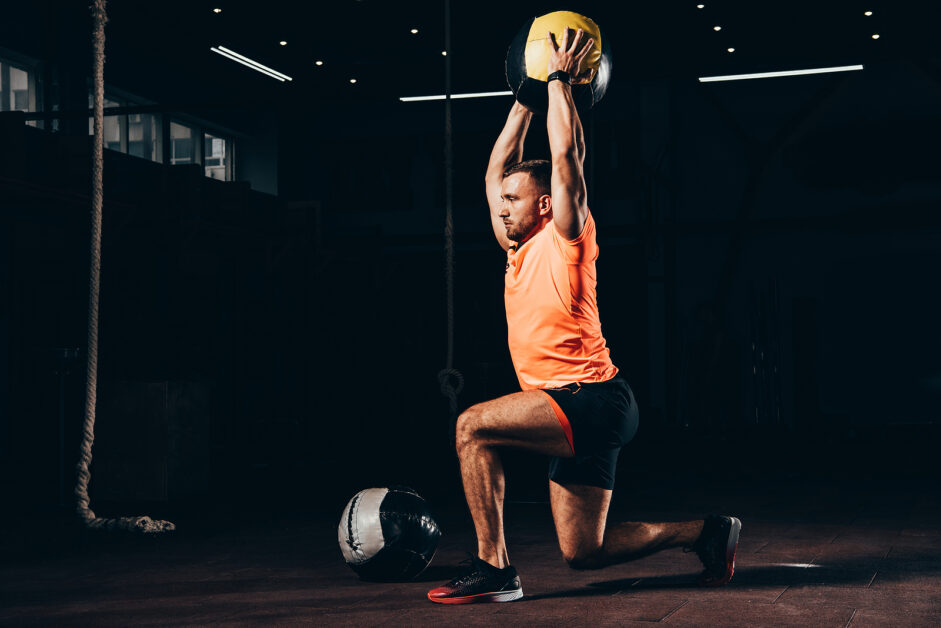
587	233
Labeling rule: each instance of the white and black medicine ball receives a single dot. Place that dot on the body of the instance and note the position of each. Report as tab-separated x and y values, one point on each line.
388	534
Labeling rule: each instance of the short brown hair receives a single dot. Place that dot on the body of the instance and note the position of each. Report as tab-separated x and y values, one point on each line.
540	170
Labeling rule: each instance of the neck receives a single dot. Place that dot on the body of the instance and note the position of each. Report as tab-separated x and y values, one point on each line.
529	236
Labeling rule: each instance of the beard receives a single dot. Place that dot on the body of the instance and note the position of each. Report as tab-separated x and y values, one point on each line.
517	231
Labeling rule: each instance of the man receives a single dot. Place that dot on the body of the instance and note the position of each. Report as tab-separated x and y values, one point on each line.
574	407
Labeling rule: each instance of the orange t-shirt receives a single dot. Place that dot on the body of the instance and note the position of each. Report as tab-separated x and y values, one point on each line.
552	313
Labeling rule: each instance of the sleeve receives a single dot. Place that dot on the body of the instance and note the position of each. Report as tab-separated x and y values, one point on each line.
582	249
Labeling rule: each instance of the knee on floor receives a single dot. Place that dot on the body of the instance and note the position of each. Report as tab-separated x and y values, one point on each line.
582	559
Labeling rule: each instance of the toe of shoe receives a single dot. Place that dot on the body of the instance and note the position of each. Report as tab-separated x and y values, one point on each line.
715	579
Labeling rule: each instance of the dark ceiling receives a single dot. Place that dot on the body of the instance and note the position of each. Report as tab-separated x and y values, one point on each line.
370	40
161	50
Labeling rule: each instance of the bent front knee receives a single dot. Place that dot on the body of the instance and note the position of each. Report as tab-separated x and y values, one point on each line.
466	429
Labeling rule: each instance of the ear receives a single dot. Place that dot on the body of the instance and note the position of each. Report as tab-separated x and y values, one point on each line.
545	205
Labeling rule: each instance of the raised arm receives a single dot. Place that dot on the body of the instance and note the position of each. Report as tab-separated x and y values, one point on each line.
507	151
566	138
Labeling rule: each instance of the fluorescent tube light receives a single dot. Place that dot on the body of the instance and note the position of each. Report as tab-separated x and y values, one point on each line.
251	63
247	65
255	63
739	77
455	96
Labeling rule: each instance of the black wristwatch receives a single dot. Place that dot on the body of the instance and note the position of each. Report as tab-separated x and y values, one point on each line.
560	76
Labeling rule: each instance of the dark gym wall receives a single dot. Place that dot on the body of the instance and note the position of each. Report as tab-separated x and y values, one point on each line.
767	254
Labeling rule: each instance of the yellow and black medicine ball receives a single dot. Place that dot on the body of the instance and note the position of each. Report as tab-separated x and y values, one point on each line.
528	57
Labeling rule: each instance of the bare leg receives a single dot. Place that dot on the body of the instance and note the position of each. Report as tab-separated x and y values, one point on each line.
580	513
482	474
631	540
524	420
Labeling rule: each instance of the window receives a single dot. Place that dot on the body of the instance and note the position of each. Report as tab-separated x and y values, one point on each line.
142	136
156	138
19	90
216	157
16	88
182	144
113	124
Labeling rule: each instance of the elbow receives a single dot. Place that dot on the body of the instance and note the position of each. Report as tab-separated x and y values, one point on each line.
565	155
565	146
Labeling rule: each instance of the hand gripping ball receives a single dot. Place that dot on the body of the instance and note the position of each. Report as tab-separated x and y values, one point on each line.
388	534
528	58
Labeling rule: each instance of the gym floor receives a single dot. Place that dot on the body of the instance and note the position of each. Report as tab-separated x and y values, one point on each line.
834	552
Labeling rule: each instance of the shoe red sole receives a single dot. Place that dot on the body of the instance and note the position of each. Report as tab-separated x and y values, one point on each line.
500	596
730	548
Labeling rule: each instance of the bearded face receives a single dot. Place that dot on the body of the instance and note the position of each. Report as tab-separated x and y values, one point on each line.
525	209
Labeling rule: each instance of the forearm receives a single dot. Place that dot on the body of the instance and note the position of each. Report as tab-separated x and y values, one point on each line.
562	124
508	149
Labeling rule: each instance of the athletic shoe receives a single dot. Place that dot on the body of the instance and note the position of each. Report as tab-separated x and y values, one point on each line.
716	549
480	582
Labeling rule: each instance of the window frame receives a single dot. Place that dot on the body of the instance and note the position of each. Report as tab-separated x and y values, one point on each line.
230	151
32	67
164	146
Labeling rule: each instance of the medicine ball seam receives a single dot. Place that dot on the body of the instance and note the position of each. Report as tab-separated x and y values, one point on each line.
354	546
406	515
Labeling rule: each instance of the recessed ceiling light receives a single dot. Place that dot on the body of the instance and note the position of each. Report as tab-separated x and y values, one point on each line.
875	36
700	6
731	49
217	10
318	62
283	43
867	13
717	28
352	80
414	31
444	53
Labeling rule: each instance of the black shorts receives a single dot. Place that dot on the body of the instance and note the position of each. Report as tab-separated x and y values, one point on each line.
598	418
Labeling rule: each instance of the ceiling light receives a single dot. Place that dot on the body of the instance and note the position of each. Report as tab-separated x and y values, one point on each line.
875	36
455	96
717	28
731	49
737	77
318	62
352	81
867	13
444	53
414	31
217	10
283	43
250	63
700	6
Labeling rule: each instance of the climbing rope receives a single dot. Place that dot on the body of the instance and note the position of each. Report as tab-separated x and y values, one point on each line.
132	524
451	380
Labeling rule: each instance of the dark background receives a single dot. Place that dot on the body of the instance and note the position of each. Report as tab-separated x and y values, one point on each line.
768	279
